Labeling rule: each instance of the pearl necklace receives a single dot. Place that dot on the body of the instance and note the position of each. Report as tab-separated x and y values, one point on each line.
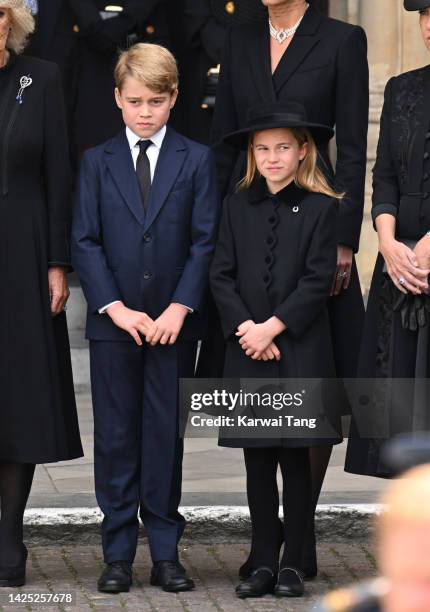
283	33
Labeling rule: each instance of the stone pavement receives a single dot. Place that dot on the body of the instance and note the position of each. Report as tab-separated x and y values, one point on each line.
75	569
212	475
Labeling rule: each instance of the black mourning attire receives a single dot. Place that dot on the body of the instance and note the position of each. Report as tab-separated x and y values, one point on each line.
315	70
396	334
38	420
276	255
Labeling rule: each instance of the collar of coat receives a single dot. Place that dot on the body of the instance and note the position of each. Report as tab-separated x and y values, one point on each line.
291	194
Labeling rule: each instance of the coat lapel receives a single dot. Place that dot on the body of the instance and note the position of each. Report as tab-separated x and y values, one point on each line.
302	44
170	161
260	63
120	163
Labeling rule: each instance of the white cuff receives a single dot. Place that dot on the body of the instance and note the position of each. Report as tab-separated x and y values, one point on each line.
103	310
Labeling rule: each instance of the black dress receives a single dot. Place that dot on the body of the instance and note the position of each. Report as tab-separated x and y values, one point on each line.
38	419
396	340
315	70
276	255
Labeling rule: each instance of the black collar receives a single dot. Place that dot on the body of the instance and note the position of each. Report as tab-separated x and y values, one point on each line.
291	194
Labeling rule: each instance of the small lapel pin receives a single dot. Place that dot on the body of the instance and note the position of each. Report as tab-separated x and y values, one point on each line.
24	82
295	209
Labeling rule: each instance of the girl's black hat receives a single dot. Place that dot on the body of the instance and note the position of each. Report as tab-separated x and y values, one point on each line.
277	115
416	5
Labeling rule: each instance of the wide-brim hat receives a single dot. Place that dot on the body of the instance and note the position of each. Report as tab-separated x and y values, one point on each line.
416	5
277	115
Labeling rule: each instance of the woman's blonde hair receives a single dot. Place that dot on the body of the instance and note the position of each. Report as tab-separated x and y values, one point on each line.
308	176
151	64
22	24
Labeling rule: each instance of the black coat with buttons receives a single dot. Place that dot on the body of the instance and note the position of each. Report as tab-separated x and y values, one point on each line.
276	255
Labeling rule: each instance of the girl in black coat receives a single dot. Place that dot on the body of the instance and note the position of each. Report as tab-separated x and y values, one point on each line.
38	420
271	278
313	65
396	337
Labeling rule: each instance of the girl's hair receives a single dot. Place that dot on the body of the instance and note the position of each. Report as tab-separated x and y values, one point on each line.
22	24
308	176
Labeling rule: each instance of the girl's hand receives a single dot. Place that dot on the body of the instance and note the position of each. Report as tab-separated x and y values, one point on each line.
259	337
343	269
403	266
271	353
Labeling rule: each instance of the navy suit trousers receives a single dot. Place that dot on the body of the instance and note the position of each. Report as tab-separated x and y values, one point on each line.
137	450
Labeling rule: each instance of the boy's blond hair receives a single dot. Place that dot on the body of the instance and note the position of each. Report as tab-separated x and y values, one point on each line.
152	65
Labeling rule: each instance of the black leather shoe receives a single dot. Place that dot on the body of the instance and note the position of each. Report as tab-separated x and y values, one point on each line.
14	576
246	569
171	577
116	578
260	582
290	583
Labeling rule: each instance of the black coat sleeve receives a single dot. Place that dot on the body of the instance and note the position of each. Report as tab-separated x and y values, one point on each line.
106	35
352	117
225	121
310	297
202	30
223	275
56	173
386	191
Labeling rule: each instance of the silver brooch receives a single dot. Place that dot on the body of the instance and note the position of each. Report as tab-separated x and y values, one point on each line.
25	81
295	209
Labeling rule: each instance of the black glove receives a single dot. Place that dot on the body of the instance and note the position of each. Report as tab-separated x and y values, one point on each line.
106	35
414	310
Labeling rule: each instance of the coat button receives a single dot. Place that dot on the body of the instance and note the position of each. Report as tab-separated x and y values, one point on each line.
426	155
425	195
266	278
268	259
295	209
150	30
147	275
147	237
230	8
269	240
76	28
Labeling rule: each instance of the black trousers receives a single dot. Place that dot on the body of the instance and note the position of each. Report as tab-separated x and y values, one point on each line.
263	499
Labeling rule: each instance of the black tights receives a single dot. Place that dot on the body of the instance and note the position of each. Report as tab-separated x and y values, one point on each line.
263	499
15	484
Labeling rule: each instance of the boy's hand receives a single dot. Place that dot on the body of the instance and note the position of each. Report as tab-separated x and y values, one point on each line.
271	353
131	321
257	339
167	327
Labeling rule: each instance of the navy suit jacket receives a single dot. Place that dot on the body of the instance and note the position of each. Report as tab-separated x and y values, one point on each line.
146	260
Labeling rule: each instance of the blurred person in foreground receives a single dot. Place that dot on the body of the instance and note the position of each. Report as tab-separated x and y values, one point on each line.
403	553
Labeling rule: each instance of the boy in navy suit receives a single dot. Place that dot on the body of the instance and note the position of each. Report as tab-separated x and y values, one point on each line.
143	238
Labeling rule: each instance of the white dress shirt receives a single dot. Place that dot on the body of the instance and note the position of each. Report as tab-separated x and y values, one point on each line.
153	151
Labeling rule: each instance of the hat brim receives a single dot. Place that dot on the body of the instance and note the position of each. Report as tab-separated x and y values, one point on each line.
416	5
240	138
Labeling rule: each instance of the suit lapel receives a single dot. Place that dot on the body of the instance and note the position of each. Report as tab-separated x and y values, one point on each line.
120	163
260	63
302	44
170	161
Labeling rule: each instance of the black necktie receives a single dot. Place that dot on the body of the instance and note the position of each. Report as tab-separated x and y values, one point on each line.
143	170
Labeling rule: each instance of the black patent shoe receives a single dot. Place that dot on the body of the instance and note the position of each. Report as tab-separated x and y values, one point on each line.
246	569
117	577
14	576
261	582
290	583
171	577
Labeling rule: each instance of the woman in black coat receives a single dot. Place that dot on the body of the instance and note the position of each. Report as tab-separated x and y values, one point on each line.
397	333
324	66
271	278
38	419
